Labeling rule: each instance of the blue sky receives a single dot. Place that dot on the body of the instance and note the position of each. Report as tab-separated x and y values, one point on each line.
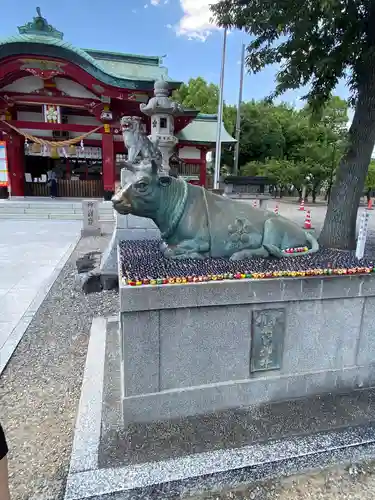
179	29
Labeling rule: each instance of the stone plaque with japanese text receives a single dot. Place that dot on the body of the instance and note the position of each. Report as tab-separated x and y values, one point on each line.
91	225
268	329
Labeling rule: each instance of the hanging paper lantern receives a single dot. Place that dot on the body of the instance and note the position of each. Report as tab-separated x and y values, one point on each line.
54	153
35	148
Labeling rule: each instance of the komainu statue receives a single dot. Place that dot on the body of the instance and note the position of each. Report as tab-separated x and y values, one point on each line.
196	224
137	142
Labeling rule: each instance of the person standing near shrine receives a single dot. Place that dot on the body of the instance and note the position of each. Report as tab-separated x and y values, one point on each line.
52	181
4	482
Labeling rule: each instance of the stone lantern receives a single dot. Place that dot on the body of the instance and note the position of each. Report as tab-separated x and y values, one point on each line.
162	110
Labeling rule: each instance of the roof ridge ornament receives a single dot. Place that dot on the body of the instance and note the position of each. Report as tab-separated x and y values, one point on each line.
39	27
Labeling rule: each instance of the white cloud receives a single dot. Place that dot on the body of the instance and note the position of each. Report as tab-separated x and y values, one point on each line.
145	6
195	22
134	11
155	2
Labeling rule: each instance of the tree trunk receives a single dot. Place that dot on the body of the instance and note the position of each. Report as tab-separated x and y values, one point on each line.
328	193
339	230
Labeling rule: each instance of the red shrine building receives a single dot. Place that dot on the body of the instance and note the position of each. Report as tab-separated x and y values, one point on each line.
60	110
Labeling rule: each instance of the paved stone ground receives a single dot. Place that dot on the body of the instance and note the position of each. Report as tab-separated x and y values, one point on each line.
29	254
41	385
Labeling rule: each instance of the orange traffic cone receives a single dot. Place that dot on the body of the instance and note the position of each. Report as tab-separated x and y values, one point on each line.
302	205
276	211
307	224
369	205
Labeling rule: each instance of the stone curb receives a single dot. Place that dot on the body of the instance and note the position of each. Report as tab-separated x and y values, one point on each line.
198	472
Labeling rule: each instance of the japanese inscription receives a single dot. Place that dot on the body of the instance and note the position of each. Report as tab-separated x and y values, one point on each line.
268	329
91	224
90	213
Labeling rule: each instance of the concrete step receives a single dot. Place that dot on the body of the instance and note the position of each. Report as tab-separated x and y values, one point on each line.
64	210
39	210
50	209
34	216
4	204
55	216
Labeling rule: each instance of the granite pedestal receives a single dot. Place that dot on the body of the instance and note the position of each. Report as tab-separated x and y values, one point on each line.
204	347
209	453
127	227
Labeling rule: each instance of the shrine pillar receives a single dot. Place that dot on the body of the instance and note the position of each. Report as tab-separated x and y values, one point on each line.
109	164
203	168
16	163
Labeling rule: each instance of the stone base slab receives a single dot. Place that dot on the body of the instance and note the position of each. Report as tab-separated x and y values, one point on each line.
127	227
185	402
91	232
190	349
197	473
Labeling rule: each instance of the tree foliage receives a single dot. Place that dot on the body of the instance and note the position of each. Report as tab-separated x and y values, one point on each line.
204	97
316	43
370	179
282	143
278	140
198	94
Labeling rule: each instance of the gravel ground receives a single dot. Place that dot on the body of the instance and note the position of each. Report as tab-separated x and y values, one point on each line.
350	483
40	390
41	386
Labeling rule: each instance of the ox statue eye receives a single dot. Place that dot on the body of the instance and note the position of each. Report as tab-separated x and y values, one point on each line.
141	185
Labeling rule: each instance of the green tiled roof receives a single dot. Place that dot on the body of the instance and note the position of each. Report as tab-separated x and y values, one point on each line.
127	71
126	74
105	55
202	130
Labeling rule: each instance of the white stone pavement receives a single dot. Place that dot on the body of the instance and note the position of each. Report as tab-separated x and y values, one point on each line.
32	254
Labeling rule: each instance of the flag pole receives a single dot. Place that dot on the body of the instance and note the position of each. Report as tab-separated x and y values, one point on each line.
220	115
238	119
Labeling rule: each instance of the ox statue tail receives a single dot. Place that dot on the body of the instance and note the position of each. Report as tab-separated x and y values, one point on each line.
277	252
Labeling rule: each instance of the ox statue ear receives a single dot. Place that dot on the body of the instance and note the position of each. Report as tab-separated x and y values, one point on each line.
165	180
